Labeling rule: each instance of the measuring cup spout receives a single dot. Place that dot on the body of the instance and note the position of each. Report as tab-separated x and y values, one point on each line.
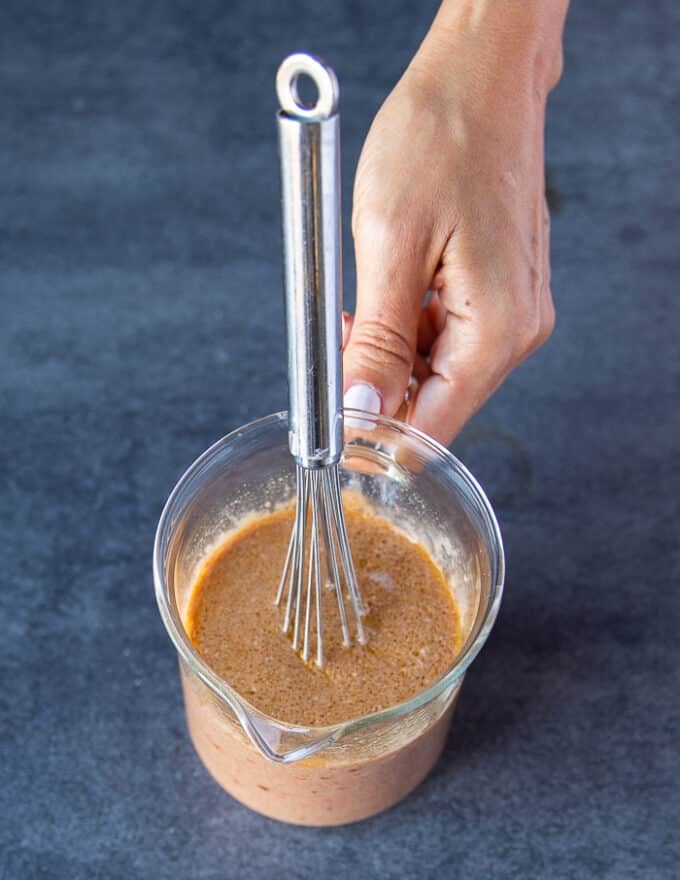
276	744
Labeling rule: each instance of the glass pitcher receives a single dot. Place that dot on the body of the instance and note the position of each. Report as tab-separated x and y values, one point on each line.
348	771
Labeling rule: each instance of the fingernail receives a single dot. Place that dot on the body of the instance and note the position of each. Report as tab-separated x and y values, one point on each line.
362	396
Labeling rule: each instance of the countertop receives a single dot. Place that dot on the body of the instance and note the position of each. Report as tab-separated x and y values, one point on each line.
140	320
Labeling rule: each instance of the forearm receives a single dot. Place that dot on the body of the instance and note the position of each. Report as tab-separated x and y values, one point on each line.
520	36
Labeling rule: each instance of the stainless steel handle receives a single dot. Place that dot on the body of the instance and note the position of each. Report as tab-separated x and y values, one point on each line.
309	146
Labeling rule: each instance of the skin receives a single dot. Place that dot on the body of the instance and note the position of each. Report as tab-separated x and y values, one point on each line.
449	197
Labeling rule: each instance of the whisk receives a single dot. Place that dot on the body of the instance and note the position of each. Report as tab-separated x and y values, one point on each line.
319	553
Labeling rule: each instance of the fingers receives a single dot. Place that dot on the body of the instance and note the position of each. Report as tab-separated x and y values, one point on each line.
427	328
421	369
421	366
483	330
380	353
464	372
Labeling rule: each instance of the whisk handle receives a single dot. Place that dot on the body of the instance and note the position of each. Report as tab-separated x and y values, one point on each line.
309	146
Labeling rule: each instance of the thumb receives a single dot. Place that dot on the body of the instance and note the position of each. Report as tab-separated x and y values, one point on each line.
379	355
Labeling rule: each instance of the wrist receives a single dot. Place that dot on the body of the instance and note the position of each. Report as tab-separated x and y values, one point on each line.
523	37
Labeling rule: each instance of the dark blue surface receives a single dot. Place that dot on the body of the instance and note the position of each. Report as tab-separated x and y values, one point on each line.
140	319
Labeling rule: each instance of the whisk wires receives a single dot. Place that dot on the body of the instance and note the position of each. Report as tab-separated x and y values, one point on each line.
318	555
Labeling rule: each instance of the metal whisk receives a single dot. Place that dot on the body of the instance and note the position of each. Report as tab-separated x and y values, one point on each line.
319	553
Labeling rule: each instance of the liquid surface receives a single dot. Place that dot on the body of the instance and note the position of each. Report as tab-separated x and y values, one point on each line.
412	624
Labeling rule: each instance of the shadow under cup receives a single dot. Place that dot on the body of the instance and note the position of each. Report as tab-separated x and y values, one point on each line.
344	772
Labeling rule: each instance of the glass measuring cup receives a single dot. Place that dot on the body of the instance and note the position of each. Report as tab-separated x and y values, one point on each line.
348	771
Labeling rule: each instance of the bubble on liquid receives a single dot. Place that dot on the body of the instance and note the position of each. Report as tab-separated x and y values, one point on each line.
383	579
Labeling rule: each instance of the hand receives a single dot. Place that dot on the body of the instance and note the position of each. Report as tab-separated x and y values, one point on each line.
449	196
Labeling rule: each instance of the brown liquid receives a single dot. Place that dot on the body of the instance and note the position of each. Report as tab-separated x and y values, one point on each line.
412	626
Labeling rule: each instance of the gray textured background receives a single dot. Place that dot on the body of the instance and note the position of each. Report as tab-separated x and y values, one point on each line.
140	319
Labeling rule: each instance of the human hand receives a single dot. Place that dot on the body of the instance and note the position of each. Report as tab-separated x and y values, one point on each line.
449	196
